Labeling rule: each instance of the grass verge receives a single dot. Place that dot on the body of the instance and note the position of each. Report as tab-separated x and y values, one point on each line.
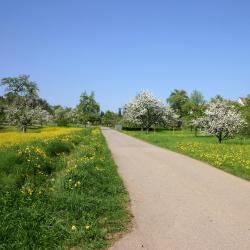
232	155
61	193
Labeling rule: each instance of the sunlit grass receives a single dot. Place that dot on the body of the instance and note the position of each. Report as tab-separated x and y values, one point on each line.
14	137
232	155
61	193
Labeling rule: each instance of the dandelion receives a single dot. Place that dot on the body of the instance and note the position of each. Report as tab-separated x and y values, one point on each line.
77	184
73	227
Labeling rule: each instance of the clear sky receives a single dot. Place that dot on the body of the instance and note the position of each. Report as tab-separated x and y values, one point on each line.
117	48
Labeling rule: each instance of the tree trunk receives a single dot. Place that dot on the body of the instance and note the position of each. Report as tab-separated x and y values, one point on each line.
141	129
24	129
195	131
220	137
147	130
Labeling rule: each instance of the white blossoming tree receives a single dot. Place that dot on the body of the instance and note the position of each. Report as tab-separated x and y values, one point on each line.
43	116
221	120
25	116
24	106
145	111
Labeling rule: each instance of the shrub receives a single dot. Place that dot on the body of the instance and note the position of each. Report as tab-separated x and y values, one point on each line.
58	146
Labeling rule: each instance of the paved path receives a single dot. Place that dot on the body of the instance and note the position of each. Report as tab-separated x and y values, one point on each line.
178	202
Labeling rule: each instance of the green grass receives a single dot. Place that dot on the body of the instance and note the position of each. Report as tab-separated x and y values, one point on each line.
232	155
61	193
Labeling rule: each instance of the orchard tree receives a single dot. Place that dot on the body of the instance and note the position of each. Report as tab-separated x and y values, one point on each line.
195	108
63	116
88	109
2	109
169	119
197	99
43	116
45	105
20	86
110	118
177	101
217	98
221	120
24	116
145	111
245	110
22	99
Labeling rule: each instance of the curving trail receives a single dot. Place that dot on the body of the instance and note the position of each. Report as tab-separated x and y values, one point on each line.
179	202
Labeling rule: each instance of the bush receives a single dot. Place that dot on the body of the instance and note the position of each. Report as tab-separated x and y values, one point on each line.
58	146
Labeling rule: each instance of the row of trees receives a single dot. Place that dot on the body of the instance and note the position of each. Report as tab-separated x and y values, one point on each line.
219	117
190	108
21	106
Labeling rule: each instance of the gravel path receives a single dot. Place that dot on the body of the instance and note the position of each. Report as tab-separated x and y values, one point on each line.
179	202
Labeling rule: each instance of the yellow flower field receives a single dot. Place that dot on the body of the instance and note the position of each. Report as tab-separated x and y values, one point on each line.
12	138
218	154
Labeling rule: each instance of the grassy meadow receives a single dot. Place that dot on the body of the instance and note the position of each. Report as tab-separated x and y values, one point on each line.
232	155
59	189
11	137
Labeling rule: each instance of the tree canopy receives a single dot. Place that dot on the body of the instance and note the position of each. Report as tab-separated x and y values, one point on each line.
221	120
145	111
177	100
88	109
22	107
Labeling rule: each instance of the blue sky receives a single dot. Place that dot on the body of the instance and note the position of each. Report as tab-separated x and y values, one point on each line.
116	48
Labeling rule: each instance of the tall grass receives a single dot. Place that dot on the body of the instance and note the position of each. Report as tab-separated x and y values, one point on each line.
61	193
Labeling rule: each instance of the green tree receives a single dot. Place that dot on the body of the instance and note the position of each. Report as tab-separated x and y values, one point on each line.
45	105
177	101
61	117
20	86
110	118
88	109
197	99
196	108
217	98
2	109
246	113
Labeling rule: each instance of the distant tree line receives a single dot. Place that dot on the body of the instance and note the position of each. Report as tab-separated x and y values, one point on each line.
21	106
218	117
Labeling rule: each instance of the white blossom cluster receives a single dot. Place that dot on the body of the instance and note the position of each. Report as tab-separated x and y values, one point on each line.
146	111
220	120
24	115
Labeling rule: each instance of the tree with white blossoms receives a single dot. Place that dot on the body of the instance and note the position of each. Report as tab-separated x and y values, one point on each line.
43	116
146	111
221	120
25	116
23	107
